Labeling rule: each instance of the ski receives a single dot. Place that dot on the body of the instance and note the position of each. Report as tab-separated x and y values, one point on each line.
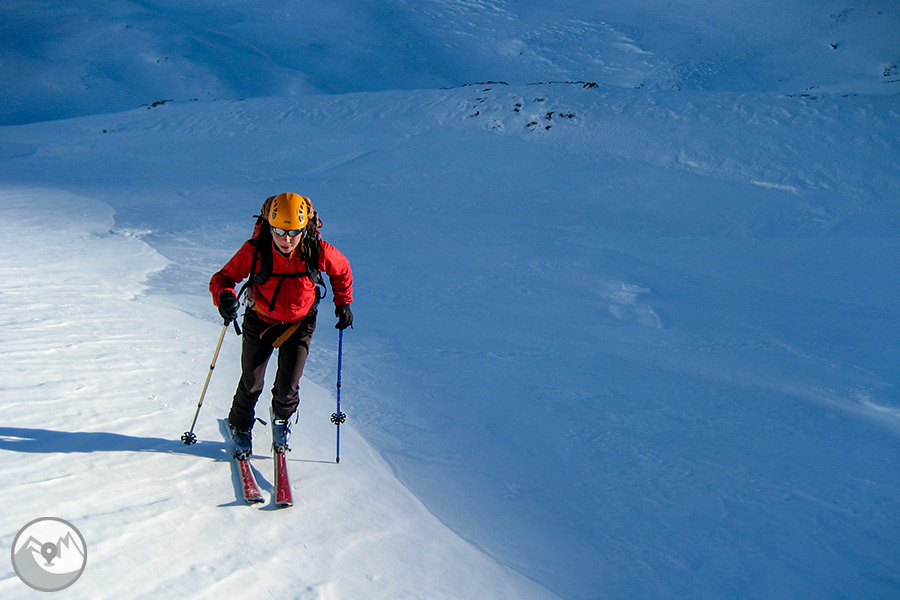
283	495
249	487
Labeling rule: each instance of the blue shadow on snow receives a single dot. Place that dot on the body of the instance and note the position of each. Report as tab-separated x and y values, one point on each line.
48	441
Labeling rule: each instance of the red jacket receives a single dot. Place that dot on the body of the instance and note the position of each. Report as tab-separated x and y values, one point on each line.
297	294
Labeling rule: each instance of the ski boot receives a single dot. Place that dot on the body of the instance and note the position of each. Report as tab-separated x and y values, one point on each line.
241	441
281	433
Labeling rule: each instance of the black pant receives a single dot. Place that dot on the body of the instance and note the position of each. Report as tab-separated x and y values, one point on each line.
258	336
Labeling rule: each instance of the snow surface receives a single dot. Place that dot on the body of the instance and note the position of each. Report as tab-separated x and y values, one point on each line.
626	295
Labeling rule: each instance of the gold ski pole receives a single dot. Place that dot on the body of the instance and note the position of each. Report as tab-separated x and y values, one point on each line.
189	437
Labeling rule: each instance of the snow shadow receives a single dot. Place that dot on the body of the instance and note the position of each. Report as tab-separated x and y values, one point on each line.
48	441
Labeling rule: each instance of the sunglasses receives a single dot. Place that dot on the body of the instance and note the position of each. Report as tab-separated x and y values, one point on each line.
288	232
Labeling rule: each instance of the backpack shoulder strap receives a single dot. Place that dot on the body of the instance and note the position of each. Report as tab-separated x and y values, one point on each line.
262	256
312	268
264	272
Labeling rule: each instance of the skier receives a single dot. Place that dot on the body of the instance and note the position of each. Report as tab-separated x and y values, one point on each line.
283	261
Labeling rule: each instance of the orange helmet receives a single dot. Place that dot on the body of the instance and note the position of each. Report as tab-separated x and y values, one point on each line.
289	211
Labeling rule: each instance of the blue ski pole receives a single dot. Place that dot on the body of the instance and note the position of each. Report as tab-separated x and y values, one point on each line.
338	417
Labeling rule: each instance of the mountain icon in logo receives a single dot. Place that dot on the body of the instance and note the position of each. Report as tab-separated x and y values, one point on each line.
49	554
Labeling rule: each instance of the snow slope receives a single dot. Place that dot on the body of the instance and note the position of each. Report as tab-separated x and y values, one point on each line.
96	381
626	310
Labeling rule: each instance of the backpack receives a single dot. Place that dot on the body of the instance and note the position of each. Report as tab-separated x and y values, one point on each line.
262	255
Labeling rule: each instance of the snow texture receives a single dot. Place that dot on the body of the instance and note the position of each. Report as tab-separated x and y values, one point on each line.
627	311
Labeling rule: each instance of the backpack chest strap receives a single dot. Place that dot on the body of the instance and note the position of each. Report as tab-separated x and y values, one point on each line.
282	277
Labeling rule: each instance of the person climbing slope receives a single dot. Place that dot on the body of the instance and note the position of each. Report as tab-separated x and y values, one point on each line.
282	263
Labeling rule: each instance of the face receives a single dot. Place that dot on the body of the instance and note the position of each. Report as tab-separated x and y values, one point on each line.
286	243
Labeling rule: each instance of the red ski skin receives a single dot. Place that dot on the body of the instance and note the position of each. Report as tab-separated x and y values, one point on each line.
283	494
249	488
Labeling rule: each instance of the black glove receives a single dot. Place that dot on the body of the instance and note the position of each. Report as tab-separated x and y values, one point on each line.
228	306
344	316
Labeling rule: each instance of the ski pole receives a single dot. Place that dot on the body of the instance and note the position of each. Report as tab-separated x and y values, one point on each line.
338	417
189	437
